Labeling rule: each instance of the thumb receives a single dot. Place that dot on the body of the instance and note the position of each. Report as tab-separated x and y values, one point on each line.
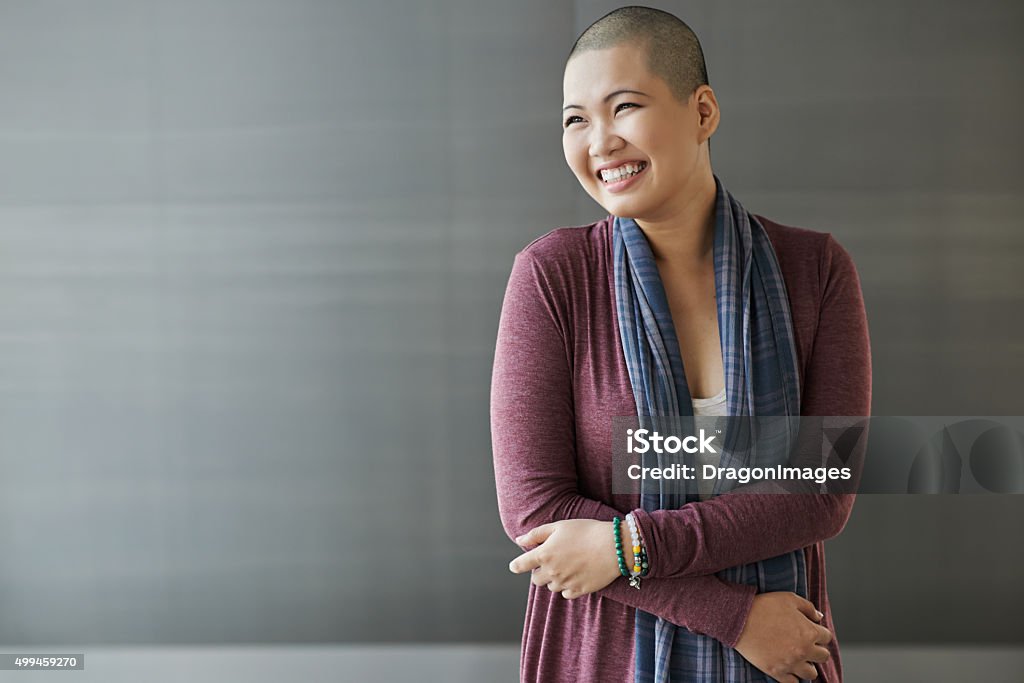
536	535
807	608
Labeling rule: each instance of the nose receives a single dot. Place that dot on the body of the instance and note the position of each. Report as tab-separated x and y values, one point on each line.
603	140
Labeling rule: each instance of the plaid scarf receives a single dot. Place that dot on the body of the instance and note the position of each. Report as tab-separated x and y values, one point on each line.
759	358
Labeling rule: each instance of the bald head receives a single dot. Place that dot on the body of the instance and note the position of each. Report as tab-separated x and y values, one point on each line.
673	51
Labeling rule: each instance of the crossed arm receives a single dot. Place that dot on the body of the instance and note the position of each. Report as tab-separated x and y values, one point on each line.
532	429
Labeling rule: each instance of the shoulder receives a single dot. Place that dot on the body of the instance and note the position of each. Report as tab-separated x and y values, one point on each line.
568	245
808	257
560	273
801	243
569	257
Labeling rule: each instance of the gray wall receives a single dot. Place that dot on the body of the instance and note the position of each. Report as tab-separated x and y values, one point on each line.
252	256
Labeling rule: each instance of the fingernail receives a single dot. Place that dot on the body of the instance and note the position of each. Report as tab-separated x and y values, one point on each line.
820	615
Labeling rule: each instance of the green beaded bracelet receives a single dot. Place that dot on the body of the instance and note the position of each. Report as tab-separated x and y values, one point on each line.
618	548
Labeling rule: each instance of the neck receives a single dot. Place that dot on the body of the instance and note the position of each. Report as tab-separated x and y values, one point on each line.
685	236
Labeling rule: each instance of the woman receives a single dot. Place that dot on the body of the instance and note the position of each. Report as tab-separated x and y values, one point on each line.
765	319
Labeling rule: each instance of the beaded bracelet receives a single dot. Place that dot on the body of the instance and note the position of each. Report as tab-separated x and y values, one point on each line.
639	552
618	548
640	565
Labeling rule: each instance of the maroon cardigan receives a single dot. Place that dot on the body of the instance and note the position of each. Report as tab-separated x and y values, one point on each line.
560	375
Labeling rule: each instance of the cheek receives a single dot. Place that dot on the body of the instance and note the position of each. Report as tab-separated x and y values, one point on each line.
575	157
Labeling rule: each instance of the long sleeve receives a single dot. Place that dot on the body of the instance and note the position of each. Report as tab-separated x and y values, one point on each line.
534	448
733	529
532	414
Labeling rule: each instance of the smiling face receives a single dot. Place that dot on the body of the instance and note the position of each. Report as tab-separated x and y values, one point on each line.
648	130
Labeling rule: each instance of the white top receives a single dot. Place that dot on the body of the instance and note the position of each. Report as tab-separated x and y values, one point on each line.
711	406
714	405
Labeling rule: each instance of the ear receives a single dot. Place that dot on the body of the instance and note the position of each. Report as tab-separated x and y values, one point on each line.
707	111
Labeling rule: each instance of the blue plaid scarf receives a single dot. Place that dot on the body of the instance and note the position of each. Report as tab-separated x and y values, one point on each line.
759	358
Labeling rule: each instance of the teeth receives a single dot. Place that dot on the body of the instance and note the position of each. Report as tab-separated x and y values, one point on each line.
623	171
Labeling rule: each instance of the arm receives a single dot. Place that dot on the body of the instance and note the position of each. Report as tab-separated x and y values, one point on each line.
738	528
534	447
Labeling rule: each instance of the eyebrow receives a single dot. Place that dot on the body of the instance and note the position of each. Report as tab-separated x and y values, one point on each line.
608	97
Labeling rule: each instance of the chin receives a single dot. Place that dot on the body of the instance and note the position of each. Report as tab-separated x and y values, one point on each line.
629	206
623	209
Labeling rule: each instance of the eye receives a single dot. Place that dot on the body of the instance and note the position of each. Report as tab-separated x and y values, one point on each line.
569	121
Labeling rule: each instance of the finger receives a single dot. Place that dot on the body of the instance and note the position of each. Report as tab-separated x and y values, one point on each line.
569	594
536	535
808	609
818	654
806	671
555	587
525	562
824	636
540	578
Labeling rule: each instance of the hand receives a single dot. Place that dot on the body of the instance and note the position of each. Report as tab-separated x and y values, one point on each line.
572	557
782	637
